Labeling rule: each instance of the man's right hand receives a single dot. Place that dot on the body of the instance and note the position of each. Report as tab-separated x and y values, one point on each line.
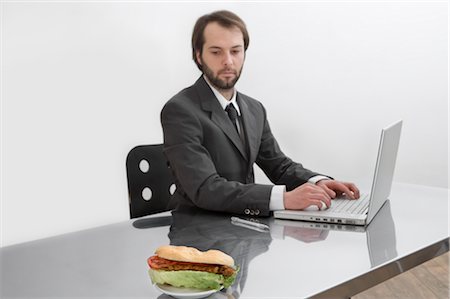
304	196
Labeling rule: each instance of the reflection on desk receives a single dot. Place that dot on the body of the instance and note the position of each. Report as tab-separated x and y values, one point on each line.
298	259
206	230
380	234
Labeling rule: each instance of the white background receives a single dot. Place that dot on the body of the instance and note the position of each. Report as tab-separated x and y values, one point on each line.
83	83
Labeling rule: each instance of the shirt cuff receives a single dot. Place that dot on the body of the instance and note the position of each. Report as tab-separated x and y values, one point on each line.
317	178
276	198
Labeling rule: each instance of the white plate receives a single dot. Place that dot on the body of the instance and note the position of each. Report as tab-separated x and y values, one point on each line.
183	293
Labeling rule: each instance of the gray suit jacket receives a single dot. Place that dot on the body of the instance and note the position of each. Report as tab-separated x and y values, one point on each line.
213	169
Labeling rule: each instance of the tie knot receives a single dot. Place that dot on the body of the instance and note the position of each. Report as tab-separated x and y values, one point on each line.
232	112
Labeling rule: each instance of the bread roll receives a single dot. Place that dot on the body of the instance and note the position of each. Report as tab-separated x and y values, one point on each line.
193	255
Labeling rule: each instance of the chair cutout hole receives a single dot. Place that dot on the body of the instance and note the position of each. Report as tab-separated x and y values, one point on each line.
144	166
147	193
172	189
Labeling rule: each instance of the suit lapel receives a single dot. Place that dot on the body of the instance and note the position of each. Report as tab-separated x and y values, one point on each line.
218	115
249	122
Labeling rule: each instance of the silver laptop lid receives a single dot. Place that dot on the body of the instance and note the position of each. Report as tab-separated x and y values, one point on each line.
384	168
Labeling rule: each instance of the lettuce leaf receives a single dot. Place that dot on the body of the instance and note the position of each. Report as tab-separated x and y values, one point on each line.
230	279
191	279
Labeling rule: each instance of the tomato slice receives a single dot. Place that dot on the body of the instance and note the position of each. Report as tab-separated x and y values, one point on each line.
156	262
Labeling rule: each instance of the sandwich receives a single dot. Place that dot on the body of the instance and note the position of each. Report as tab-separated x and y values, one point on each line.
187	267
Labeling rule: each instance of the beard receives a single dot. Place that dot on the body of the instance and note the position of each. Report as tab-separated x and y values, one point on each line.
216	81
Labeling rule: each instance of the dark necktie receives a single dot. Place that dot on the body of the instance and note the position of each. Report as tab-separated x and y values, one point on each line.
232	114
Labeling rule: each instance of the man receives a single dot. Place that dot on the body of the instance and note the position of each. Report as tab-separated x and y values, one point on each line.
213	135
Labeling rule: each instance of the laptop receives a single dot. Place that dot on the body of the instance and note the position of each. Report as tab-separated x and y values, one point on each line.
363	210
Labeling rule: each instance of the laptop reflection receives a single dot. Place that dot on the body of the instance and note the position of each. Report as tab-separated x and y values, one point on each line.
380	233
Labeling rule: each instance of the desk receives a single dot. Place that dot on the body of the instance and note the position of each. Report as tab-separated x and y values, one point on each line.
295	260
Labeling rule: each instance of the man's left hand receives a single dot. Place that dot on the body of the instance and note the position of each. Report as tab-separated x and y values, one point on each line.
337	188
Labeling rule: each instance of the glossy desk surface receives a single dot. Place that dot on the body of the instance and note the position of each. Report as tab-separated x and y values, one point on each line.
293	260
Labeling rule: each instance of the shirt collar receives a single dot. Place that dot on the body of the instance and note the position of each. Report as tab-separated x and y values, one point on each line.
222	100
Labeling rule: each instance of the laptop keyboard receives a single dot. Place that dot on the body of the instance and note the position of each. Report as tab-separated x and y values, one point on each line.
350	206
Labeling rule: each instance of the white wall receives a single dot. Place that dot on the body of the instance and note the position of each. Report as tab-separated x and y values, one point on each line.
82	83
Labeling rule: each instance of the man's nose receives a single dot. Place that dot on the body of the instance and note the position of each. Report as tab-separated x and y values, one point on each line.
227	59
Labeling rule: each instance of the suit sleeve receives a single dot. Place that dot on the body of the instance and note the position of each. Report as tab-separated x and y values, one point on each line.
195	171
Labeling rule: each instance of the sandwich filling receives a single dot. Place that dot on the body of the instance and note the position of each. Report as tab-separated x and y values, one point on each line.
158	263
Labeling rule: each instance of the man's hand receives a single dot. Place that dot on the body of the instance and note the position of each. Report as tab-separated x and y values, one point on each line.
336	188
322	192
306	195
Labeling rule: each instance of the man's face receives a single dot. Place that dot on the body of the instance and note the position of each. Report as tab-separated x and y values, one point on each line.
223	55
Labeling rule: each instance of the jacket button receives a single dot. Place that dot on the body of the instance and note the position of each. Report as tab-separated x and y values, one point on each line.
252	212
257	212
246	211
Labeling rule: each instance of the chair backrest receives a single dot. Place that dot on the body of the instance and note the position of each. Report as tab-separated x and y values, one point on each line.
150	181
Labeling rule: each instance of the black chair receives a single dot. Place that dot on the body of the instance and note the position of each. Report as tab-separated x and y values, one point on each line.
150	181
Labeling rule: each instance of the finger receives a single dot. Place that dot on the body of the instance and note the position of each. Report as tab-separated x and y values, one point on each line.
339	193
323	190
317	203
321	198
339	186
354	189
329	191
314	189
349	193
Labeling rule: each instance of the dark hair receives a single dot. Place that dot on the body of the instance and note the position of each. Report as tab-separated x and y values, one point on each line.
226	19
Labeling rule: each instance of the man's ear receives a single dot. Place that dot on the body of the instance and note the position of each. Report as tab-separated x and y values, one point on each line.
198	57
